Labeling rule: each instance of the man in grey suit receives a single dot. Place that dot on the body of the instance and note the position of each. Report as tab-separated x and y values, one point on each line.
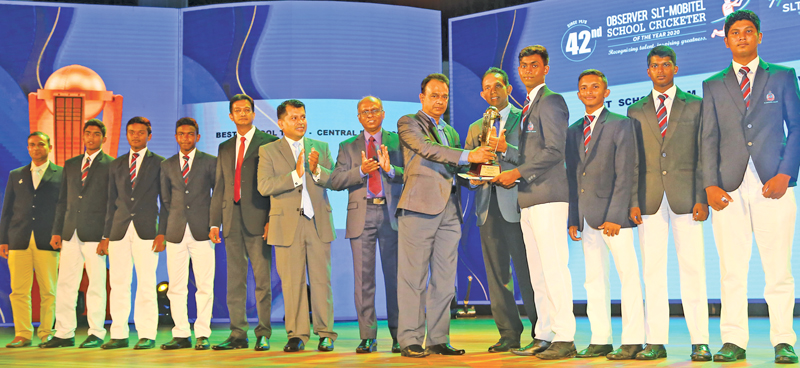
294	172
668	192
601	155
242	212
498	218
370	167
187	179
750	155
77	231
429	227
543	207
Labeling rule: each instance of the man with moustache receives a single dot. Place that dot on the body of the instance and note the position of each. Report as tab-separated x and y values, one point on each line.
187	179
601	158
429	227
26	223
242	212
370	167
77	231
131	237
498	218
750	156
668	192
294	172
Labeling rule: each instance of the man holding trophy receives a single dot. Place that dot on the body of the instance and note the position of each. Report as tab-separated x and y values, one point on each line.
496	211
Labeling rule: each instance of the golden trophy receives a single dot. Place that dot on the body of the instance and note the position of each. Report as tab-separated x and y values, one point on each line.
486	169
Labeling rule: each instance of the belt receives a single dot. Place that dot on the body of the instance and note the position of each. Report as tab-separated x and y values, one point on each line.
377	201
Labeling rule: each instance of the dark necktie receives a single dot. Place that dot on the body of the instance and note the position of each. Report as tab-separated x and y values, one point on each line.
374	180
587	131
745	86
85	170
133	169
661	115
185	169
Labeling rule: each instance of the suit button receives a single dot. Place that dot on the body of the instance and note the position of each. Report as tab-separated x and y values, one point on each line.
663	154
187	207
581	190
34	218
34	196
34	206
133	214
80	197
584	174
664	172
79	211
749	126
749	144
298	210
187	192
131	199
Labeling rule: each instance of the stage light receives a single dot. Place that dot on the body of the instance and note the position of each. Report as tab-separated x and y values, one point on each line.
163	303
162	288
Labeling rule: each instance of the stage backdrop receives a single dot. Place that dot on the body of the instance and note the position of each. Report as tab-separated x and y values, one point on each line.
614	38
169	63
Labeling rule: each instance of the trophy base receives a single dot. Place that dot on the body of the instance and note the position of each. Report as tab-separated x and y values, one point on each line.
484	170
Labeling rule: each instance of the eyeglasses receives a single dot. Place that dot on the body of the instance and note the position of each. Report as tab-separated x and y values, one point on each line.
371	112
242	111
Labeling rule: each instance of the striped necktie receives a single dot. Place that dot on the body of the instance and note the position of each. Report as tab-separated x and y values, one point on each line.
133	169
745	86
587	131
185	169
661	115
526	106
85	170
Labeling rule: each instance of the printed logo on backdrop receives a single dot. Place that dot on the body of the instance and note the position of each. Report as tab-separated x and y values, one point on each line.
786	6
580	40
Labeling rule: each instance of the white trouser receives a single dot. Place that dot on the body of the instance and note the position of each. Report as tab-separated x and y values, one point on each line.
75	254
123	255
772	222
202	256
598	288
653	240
548	258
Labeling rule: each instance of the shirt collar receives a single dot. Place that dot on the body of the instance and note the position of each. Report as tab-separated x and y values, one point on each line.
248	135
141	153
42	166
92	156
596	113
669	92
504	112
191	154
433	121
534	91
377	136
292	141
753	65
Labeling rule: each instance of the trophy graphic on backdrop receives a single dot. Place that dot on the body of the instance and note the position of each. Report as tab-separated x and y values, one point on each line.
486	169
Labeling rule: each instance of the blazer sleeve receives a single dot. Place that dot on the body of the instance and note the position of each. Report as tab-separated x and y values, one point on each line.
325	165
8	212
271	182
166	199
217	196
412	136
709	150
791	115
346	174
162	213
638	144
111	206
554	120
61	205
399	167
699	188
572	180
624	160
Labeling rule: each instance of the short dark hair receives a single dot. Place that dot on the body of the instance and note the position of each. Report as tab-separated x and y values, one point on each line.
40	135
535	50
662	51
495	70
95	123
187	121
293	103
140	120
742	14
593	72
240	97
435	76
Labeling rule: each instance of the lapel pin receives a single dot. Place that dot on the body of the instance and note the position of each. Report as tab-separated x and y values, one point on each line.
770	96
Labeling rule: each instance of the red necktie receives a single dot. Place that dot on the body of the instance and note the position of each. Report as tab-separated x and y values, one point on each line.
133	169
662	115
237	186
374	177
185	170
587	131
745	86
85	170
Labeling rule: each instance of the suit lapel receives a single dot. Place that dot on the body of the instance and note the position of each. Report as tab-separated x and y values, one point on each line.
512	121
92	167
678	103
143	173
757	94
597	131
428	126
649	111
286	152
257	141
732	85
48	173
126	173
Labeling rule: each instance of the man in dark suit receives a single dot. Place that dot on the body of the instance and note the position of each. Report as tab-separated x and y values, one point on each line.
429	227
242	212
498	218
294	172
750	157
25	226
77	231
187	179
601	155
132	238
370	167
668	192
543	207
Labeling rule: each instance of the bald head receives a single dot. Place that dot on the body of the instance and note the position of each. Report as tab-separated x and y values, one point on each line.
371	114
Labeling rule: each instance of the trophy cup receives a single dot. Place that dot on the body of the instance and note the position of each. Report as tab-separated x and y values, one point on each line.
486	169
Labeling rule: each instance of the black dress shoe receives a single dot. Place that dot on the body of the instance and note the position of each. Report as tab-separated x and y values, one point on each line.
19	342
325	344
414	351
535	347
56	342
115	344
177	343
295	344
144	344
232	343
559	350
700	353
201	343
595	351
367	346
784	353
91	342
46	339
503	346
444	349
652	352
625	352
730	353
262	343
396	347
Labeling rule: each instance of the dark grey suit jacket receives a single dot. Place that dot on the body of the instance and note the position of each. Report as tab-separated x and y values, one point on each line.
83	207
600	181
187	203
541	147
429	166
670	163
27	210
140	205
254	206
506	198
733	134
346	174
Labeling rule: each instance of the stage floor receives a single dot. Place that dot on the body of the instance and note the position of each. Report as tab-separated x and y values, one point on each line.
473	335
